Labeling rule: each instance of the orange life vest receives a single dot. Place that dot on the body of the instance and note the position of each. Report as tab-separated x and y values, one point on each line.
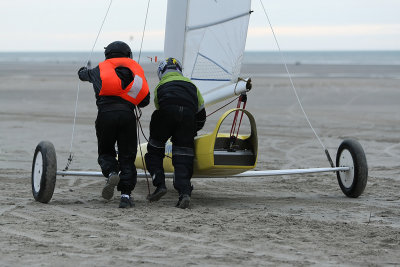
135	92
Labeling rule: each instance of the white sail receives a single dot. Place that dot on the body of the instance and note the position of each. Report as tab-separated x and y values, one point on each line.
209	37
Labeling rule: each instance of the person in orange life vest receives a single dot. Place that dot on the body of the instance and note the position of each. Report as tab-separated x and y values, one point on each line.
119	84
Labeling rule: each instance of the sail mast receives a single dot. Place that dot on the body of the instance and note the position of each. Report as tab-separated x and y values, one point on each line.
175	29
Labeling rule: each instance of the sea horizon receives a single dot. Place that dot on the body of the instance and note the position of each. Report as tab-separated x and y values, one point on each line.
326	57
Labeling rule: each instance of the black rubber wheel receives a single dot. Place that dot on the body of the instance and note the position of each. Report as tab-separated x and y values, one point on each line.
351	154
44	171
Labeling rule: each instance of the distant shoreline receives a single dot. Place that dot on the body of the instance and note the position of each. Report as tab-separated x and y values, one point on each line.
253	70
250	57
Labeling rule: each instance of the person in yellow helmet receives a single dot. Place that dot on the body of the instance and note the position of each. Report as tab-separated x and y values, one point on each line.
179	114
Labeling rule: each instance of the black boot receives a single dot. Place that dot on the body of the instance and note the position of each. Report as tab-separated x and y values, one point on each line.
126	202
159	182
183	202
160	191
112	182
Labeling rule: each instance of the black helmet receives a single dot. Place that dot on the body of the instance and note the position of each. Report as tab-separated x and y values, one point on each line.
169	64
117	49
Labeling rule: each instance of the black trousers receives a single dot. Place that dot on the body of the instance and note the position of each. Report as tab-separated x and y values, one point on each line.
118	127
177	123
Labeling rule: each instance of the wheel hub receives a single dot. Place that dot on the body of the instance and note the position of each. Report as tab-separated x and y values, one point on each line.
346	160
37	171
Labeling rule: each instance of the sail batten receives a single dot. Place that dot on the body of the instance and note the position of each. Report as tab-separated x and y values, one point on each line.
217	22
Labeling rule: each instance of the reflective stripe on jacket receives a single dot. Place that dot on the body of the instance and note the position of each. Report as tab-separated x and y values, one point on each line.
135	92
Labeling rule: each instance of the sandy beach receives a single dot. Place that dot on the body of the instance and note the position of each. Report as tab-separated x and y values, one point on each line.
266	221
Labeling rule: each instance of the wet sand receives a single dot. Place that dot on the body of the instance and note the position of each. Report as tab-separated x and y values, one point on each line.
281	220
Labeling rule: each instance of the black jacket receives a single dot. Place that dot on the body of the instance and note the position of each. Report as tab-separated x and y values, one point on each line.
175	89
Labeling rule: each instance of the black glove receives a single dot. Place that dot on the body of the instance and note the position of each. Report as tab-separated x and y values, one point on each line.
199	125
200	119
81	71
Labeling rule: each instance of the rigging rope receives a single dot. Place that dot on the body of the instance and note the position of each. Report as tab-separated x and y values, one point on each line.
223	106
242	99
294	88
138	125
144	29
77	93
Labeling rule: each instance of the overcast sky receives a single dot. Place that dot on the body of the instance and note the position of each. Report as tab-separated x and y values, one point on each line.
58	25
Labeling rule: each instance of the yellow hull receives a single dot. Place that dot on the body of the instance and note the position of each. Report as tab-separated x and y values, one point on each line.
213	157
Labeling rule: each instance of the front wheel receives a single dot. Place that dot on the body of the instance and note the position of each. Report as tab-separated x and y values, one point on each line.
44	171
351	154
